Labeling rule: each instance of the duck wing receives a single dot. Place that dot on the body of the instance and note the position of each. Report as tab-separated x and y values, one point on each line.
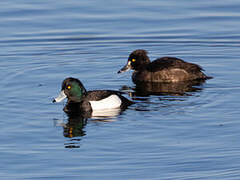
172	63
97	95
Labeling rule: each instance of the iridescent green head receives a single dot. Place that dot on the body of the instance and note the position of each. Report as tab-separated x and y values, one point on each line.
73	89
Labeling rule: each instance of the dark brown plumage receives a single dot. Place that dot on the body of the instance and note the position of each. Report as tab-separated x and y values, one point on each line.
165	69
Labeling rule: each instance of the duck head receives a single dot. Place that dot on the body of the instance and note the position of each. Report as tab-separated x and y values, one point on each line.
72	89
136	61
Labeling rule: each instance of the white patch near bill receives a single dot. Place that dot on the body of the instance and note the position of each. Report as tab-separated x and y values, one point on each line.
110	102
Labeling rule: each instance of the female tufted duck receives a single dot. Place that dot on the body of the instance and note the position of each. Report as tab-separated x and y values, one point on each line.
165	69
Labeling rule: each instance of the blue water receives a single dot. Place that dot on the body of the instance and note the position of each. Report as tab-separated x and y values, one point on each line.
194	136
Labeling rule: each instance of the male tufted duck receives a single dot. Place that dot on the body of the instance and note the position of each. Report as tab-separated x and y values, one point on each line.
80	100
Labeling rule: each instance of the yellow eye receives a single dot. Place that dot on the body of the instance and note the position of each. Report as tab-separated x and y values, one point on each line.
69	87
133	60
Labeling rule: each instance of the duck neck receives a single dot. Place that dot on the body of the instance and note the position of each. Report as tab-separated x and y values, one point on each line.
141	66
77	94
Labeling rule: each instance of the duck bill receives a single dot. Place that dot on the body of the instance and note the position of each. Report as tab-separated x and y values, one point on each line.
60	97
127	67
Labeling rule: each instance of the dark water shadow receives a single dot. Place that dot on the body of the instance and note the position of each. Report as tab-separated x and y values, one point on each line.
159	96
144	89
74	129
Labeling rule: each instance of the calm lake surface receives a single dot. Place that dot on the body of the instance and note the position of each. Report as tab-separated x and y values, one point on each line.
192	136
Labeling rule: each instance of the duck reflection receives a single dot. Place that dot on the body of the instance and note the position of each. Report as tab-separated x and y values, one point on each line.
106	114
174	89
74	129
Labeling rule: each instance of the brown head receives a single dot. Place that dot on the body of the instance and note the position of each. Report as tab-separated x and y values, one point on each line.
136	61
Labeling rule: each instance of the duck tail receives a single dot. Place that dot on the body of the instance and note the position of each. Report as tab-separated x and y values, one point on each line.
208	77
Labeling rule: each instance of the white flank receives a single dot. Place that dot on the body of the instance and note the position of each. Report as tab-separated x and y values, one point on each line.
110	102
103	113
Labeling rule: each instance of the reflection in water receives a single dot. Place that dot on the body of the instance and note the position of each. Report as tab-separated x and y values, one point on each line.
174	89
166	95
106	113
74	128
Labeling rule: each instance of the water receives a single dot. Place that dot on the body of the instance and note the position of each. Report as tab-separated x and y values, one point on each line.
194	136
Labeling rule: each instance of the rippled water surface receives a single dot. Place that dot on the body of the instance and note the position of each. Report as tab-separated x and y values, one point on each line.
194	135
